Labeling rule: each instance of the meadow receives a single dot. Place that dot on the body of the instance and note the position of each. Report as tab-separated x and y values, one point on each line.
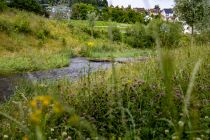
52	41
164	97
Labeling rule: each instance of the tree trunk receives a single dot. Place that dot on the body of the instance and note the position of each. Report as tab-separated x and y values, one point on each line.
192	30
192	34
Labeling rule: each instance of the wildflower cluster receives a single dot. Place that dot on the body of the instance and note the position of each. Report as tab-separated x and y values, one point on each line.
40	105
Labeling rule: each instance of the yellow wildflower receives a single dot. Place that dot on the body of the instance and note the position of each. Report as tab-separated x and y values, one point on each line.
57	108
46	100
25	138
90	44
33	103
129	81
40	98
36	116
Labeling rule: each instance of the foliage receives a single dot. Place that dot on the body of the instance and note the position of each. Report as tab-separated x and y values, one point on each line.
202	38
81	10
2	5
168	33
123	15
193	11
129	102
137	37
98	3
114	33
91	20
28	5
22	25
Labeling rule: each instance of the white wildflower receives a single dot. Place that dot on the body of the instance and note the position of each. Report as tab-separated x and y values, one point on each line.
181	123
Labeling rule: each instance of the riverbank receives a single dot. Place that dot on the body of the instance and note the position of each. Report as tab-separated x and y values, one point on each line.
140	100
31	43
78	68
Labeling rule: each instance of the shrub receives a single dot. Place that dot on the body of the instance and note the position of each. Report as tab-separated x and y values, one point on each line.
169	34
185	40
137	37
2	5
94	33
5	26
81	10
22	25
42	32
202	38
28	5
115	34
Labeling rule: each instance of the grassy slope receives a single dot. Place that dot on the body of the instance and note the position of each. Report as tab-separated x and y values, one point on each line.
25	47
21	51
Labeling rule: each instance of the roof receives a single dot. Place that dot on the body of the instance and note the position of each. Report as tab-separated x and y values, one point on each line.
168	11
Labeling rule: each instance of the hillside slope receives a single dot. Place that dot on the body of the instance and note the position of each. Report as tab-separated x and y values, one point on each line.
30	42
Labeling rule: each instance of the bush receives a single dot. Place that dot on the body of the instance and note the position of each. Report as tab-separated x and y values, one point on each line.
22	25
2	5
115	34
28	5
185	40
169	34
81	10
94	33
5	26
137	37
43	32
203	38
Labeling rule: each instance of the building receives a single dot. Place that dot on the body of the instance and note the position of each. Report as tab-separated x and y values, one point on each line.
59	12
167	14
140	10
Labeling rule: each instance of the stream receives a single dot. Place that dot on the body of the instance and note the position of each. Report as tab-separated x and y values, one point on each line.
77	68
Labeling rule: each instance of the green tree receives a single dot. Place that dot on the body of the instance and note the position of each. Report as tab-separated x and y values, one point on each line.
80	10
91	20
2	5
191	11
98	3
28	5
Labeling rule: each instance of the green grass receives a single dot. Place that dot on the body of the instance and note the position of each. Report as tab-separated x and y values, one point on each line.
165	97
98	23
123	54
23	63
30	42
143	100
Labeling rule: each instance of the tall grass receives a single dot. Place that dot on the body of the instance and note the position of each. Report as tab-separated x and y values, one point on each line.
133	101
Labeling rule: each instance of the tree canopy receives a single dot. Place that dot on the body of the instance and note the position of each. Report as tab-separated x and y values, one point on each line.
28	5
99	3
123	15
193	12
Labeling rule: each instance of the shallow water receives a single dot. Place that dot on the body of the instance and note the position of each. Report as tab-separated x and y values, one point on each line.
78	67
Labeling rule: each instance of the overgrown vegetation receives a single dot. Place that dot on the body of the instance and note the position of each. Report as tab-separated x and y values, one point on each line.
28	5
166	96
121	15
2	5
166	99
52	42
